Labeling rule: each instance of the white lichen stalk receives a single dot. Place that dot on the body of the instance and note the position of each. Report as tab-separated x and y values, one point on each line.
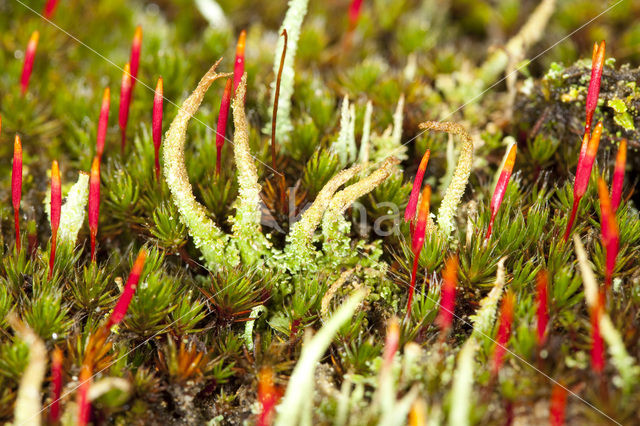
461	393
72	211
389	143
485	316
345	145
453	194
207	237
247	231
292	23
363	156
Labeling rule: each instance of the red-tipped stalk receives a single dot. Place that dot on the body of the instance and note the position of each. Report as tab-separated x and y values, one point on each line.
27	66
134	59
410	211
50	8
121	307
82	397
583	173
448	296
542	310
238	68
501	187
56	386
355	9
103	122
618	175
268	396
417	241
94	204
156	130
222	123
16	187
557	405
125	103
504	332
56	204
597	344
597	64
609	231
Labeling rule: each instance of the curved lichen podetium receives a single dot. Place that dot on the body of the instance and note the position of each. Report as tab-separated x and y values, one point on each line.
299	250
453	194
247	232
207	237
334	225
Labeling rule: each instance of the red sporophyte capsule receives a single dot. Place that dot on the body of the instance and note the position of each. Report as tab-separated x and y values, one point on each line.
238	68
557	405
129	289
597	65
268	396
222	123
27	66
16	187
417	240
391	343
504	332
125	103
618	175
94	204
597	344
354	13
501	187
56	205
50	8
103	122
448	295
156	130
410	211
542	310
609	231
56	385
134	59
82	397
583	173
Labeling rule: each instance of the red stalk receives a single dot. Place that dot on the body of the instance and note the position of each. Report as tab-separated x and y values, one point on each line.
84	405
158	98
103	122
56	385
125	103
557	405
597	64
27	66
504	331
597	344
391	343
410	211
501	187
94	204
417	240
56	203
618	175
134	59
448	296
222	123
609	231
354	13
268	396
583	173
542	303
16	187
238	68
50	8
121	307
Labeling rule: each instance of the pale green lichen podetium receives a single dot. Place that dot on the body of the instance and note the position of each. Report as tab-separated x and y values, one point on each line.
72	211
345	145
207	237
334	226
453	194
299	250
292	23
247	232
